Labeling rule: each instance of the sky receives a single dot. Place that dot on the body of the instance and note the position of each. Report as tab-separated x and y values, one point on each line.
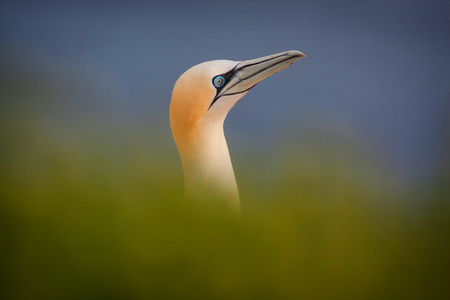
377	71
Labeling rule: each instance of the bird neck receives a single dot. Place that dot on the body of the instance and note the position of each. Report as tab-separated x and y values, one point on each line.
207	167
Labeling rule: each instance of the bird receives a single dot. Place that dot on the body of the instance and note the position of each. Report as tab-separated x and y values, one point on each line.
201	99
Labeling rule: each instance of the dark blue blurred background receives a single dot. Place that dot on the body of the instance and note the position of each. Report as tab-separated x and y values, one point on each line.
376	72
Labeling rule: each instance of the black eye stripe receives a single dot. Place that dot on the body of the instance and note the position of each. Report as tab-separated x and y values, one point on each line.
226	77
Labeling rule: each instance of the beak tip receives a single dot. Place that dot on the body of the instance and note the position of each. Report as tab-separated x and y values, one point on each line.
295	53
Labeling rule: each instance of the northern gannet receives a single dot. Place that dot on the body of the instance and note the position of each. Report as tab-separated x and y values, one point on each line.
201	100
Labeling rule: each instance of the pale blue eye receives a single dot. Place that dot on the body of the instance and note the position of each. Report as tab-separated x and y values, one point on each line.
219	81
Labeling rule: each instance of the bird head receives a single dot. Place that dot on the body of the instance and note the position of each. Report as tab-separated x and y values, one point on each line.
205	93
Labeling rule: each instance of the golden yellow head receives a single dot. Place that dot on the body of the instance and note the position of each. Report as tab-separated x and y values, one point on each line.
194	92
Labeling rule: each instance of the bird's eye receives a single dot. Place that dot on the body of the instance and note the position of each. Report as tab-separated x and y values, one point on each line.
218	81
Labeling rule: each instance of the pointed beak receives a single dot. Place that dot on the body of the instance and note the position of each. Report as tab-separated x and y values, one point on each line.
248	73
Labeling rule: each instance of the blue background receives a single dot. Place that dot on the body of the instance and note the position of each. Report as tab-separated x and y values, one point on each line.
376	72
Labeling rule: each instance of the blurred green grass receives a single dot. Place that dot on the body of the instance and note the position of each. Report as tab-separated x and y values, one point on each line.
101	215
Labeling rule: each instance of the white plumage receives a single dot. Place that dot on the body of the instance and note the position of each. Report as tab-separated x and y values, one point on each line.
201	100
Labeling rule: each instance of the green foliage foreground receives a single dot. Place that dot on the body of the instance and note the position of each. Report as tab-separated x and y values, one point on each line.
84	222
